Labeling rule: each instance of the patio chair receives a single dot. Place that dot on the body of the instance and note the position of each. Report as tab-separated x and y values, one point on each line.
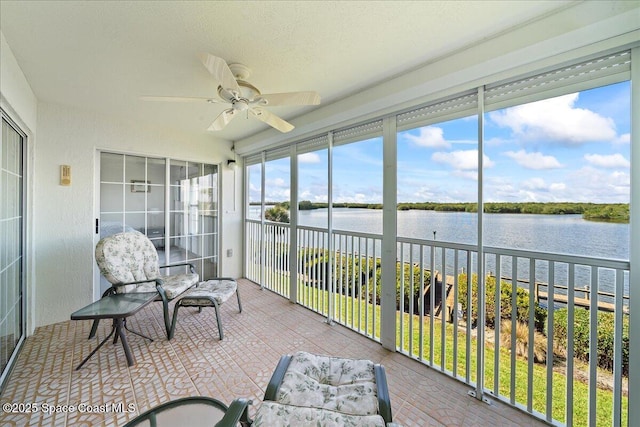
194	412
308	389
129	261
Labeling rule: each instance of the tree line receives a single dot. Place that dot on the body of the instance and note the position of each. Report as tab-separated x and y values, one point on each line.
609	212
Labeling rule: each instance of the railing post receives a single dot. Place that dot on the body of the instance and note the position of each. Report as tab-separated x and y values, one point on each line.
389	235
263	252
479	391
330	241
293	226
634	250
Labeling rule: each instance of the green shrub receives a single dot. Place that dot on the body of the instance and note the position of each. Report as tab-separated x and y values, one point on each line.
407	290
278	213
581	333
522	302
350	274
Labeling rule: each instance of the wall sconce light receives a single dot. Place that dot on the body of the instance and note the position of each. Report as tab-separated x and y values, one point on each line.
65	175
231	163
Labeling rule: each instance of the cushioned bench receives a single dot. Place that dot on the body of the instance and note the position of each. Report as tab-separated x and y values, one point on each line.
211	293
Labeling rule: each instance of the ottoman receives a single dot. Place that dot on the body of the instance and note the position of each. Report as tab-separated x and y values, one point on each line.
210	293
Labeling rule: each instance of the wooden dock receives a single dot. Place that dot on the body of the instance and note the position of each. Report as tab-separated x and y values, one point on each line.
578	301
581	296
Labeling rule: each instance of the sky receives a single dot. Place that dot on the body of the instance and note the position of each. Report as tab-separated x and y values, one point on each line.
572	148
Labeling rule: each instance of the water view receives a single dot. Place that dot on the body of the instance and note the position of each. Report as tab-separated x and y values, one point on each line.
558	234
565	234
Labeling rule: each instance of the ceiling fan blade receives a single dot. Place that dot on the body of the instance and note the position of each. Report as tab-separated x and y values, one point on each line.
223	119
289	98
181	99
271	119
221	72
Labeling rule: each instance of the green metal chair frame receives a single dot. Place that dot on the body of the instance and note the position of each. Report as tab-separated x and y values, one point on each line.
236	413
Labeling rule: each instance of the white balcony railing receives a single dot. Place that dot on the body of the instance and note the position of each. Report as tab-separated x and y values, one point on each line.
574	374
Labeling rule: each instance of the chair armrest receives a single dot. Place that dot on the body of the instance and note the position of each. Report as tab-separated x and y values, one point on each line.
113	288
276	379
192	268
384	402
238	412
137	282
159	288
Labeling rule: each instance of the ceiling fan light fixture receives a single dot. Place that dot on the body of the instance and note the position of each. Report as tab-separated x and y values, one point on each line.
247	90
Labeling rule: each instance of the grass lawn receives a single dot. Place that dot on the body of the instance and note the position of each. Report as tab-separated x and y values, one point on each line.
359	315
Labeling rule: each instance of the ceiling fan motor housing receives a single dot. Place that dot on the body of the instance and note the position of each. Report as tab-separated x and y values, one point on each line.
240	71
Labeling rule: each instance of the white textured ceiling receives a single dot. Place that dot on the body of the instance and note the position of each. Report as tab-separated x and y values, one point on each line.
101	56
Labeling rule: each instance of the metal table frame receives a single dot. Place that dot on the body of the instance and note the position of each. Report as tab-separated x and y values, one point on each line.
117	307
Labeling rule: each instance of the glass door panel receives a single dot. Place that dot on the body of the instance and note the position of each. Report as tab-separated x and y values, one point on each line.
132	196
11	245
194	216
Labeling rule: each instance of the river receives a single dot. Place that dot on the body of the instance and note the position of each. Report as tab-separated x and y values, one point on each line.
559	234
565	234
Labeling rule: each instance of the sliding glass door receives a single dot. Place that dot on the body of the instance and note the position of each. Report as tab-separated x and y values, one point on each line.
173	202
12	283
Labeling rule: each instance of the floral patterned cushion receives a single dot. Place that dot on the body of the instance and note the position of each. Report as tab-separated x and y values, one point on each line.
178	283
218	289
129	257
337	384
272	414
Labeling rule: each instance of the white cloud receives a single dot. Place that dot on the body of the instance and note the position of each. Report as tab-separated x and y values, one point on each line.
309	158
556	119
557	186
608	161
276	182
429	137
584	185
530	190
422	193
533	160
625	138
277	195
596	185
461	160
534	184
313	196
363	194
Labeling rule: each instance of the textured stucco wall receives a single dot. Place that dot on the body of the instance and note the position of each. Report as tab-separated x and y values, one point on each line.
16	92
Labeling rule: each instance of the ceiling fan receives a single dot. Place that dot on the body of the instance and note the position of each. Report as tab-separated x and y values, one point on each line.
233	89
